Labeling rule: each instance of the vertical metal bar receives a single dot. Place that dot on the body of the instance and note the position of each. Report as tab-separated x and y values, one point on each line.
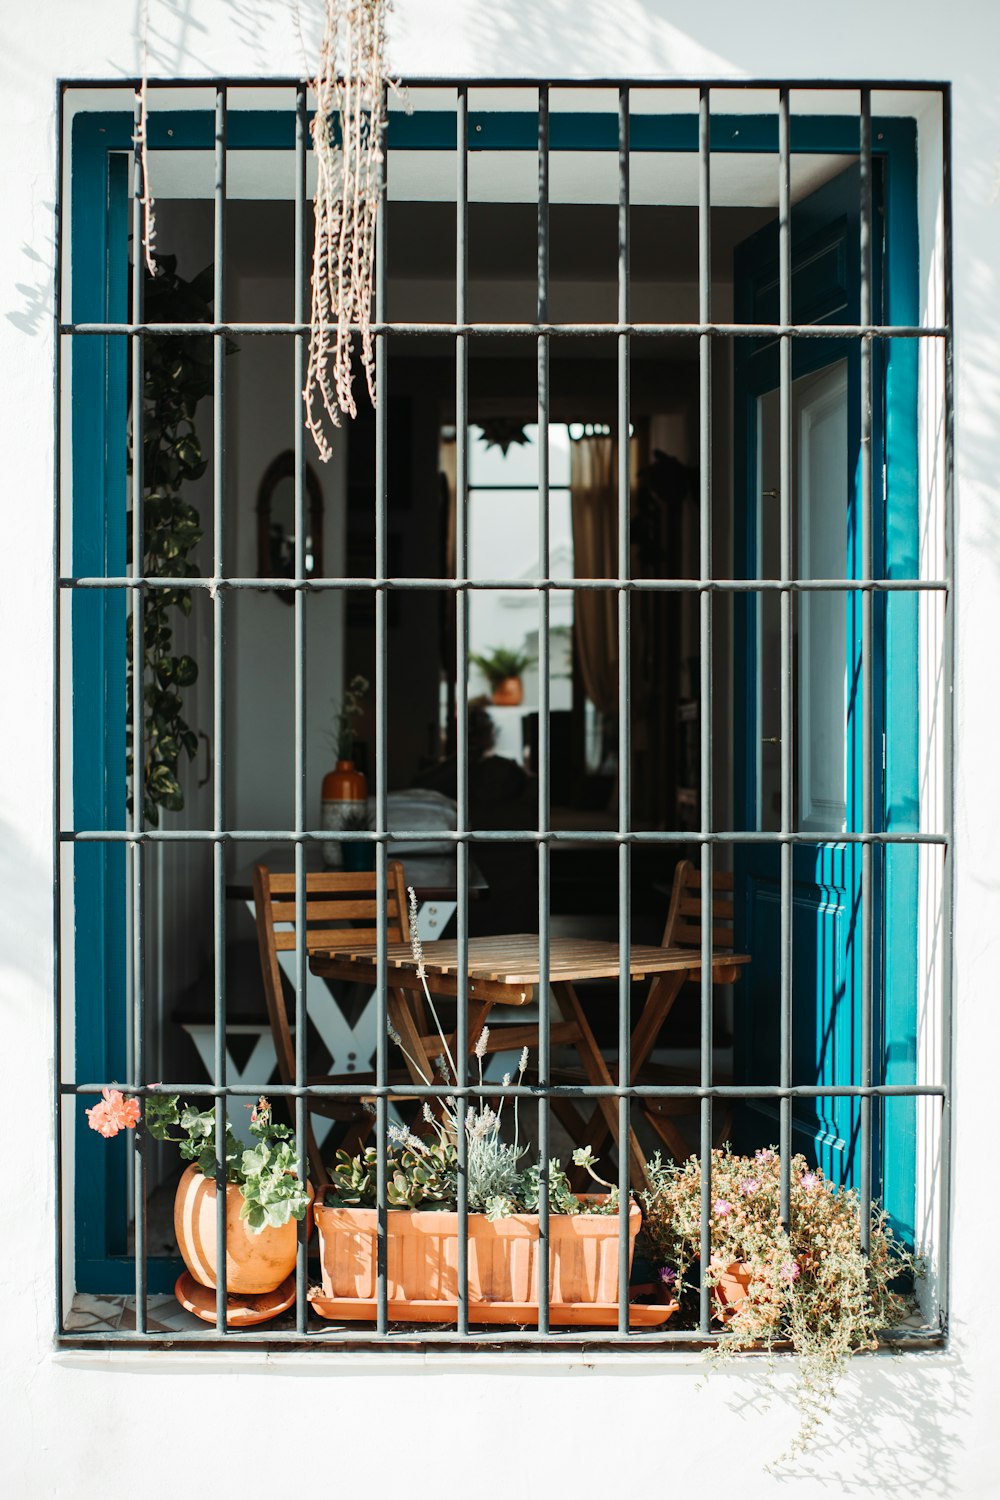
705	676
137	851
544	751
301	954
56	707
462	695
785	549
218	695
381	750
624	708
867	777
948	893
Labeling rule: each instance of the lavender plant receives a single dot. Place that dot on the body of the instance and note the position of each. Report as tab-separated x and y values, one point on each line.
423	1171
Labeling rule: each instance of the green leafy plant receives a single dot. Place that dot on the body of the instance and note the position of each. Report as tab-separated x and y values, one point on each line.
356	819
266	1173
177	375
810	1286
499	664
346	712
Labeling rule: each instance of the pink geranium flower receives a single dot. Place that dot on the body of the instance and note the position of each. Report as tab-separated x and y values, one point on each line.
723	1208
113	1113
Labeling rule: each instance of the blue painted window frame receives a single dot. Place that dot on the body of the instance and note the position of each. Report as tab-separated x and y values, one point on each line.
101	141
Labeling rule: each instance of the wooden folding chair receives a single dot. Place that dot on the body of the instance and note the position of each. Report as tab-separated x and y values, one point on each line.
684	930
682	938
341	911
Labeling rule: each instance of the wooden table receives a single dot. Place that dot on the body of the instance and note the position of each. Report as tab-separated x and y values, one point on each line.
504	971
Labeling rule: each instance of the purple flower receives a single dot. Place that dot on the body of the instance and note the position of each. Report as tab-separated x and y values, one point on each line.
722	1208
809	1181
789	1270
749	1186
764	1156
667	1275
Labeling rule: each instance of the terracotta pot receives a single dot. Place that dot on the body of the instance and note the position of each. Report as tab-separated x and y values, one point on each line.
343	789
254	1262
732	1288
422	1256
345	783
509	692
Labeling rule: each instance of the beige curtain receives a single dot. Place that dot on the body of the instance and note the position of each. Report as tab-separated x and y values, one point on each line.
594	492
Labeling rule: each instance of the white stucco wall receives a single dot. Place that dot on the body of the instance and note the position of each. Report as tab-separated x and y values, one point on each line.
73	1424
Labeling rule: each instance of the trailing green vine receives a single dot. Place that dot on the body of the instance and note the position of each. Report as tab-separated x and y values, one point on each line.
177	374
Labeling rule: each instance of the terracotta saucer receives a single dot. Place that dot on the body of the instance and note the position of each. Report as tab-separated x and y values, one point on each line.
241	1311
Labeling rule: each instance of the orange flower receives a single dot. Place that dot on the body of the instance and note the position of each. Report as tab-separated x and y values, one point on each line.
114	1113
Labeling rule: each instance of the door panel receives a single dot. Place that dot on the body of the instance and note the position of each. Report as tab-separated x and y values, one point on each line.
825	672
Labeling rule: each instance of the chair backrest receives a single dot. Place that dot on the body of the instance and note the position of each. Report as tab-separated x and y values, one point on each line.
341	912
684	917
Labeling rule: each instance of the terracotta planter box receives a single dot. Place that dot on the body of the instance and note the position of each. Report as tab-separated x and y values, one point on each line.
422	1266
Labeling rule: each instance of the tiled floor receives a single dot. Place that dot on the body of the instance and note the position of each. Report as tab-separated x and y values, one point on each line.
92	1314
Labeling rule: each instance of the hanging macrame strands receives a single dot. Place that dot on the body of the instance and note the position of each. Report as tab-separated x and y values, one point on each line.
347	127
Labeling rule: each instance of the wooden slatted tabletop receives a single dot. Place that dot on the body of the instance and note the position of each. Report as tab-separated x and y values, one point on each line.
513	960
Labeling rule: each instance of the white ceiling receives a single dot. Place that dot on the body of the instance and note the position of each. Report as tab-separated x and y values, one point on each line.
739	179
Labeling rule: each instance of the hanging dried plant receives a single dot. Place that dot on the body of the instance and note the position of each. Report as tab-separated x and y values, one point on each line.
141	139
351	87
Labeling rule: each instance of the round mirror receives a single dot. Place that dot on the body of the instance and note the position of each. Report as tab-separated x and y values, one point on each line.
276	523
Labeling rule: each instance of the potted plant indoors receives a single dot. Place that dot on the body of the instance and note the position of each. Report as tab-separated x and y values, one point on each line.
502	670
264	1199
357	854
345	789
810	1287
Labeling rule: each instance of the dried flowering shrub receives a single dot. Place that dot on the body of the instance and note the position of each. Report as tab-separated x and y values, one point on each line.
810	1286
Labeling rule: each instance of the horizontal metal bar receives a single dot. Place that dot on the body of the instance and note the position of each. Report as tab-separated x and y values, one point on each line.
641	1343
488	1090
530	330
482	836
540	585
433	81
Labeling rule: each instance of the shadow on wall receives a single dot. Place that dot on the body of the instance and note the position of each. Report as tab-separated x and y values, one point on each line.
518	37
892	1431
35	295
26	881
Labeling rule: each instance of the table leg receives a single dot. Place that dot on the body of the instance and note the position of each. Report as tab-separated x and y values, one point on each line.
597	1072
662	993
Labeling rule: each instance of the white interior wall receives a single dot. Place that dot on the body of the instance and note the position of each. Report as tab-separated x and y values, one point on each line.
901	1425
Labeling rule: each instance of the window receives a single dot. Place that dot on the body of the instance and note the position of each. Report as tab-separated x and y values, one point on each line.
723	546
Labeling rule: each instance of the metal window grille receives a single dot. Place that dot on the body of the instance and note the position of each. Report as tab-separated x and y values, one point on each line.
138	840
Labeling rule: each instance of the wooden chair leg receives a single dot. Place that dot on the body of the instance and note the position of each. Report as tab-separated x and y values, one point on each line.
668	1133
358	1133
318	1174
